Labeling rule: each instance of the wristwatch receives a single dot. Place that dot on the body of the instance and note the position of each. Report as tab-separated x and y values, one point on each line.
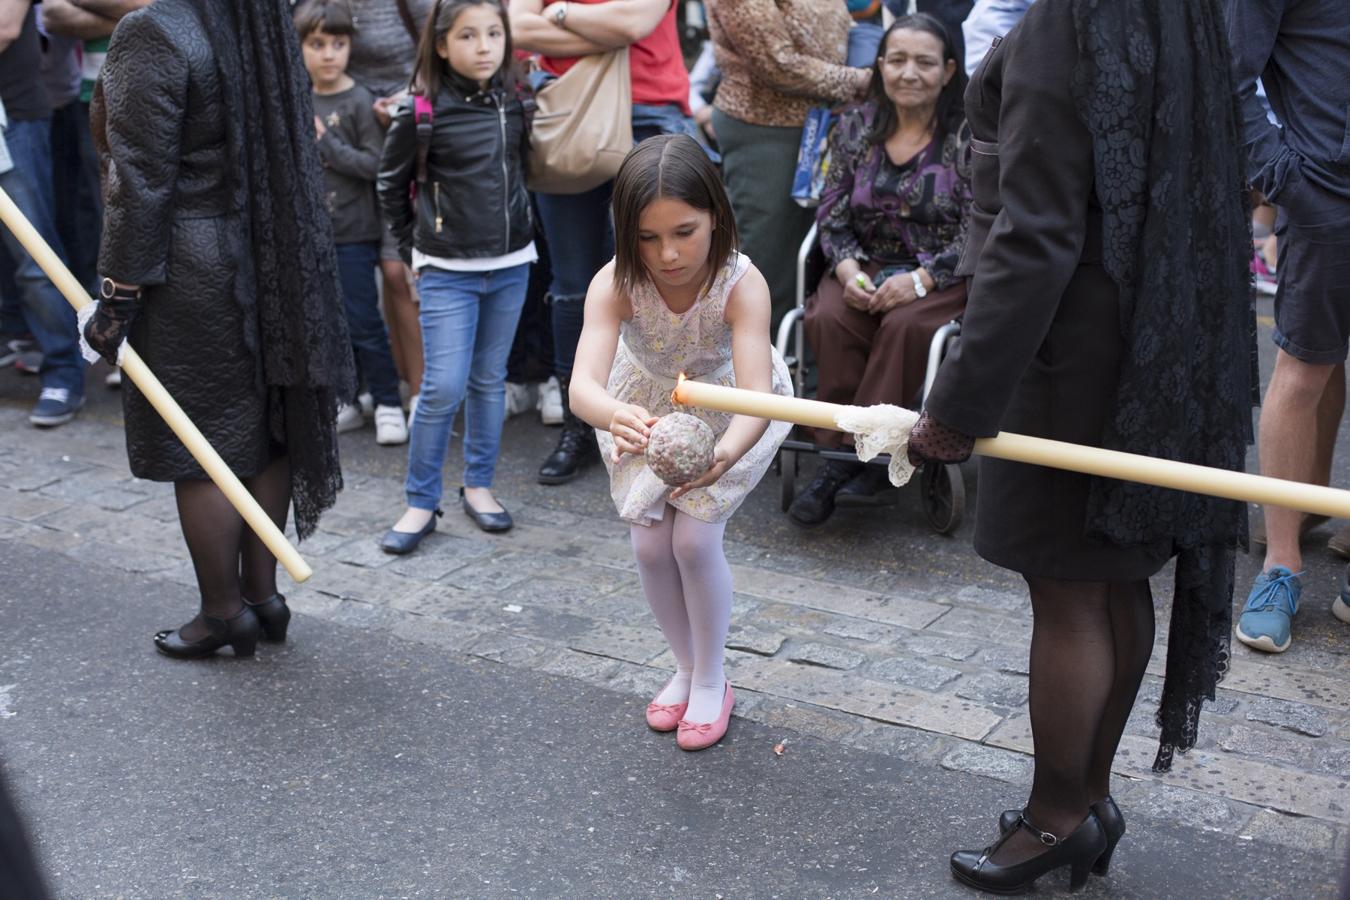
109	290
919	290
560	14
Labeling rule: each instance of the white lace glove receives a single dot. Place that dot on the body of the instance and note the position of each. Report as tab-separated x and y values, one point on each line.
881	429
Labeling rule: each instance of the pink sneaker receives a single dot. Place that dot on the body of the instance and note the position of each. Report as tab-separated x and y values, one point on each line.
665	716
699	736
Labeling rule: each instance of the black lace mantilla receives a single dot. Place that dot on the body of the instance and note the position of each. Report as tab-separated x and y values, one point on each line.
1153	86
292	298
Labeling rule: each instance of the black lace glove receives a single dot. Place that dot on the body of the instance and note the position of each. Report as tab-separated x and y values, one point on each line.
931	441
111	323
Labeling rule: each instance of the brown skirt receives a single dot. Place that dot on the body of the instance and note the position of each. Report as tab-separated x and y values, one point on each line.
864	359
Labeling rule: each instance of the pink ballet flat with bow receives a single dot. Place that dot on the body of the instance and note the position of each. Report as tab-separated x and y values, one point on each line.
701	735
665	716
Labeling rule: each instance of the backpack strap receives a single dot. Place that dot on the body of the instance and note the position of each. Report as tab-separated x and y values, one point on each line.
422	115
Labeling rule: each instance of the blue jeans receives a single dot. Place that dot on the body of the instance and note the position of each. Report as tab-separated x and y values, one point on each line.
468	322
49	317
581	236
361	300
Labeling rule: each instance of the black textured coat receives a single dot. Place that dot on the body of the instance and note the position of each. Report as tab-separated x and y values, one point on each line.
174	224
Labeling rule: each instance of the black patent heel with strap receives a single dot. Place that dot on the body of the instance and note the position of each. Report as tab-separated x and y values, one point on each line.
1079	851
240	632
273	615
1106	811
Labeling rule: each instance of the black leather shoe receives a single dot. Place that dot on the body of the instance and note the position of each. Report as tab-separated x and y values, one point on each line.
1080	850
870	487
815	503
273	615
401	542
1107	813
576	448
488	521
240	631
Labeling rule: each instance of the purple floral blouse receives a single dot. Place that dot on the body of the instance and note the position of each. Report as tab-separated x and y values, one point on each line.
911	216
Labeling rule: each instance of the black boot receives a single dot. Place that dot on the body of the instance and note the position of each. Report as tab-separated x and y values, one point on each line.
576	448
871	486
815	503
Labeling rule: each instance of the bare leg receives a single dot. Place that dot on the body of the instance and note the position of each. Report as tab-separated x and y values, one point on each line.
1288	443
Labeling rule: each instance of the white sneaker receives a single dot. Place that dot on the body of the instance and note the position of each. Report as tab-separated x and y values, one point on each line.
390	428
113	379
349	418
550	402
367	404
519	399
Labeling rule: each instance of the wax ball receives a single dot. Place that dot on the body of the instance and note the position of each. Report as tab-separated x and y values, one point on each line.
680	448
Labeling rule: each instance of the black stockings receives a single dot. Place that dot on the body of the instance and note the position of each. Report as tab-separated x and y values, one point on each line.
1089	647
230	561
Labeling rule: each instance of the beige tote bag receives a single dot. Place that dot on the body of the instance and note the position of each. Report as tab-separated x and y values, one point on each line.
583	125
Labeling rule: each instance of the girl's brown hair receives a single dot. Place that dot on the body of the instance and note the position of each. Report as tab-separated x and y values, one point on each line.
328	16
672	166
431	70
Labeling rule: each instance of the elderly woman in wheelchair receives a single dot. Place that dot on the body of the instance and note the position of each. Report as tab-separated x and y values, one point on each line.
892	225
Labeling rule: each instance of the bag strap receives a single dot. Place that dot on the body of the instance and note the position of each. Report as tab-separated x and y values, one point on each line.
423	114
409	22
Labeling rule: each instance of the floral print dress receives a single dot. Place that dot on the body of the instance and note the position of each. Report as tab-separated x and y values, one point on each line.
655	346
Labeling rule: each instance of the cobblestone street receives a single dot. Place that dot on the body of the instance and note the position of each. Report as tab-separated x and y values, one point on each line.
871	632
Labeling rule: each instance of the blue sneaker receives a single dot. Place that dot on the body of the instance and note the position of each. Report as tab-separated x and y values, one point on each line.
1270	607
55	406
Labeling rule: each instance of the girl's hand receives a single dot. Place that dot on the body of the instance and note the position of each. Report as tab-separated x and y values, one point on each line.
631	426
721	462
319	130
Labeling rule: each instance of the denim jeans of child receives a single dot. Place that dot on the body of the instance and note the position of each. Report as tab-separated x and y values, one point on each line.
468	322
361	300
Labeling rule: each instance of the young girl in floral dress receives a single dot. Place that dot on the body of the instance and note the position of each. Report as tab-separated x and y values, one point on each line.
679	298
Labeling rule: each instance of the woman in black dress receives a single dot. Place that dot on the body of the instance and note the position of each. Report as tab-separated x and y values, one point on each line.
1108	306
219	265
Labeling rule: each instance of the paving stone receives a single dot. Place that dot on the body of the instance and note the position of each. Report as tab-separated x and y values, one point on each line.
365	552
1296	832
1005	601
754	640
991	762
822	687
35	474
905	743
1272	745
643	681
119	497
434	566
511	649
121	556
946	647
1010	660
950	715
435	632
811	720
863	630
437	601
1247	675
163	508
1193	808
498	573
623	642
825	655
993	628
349	582
360	614
995	690
593	669
312	603
829	597
534	514
25	506
1292	716
913	673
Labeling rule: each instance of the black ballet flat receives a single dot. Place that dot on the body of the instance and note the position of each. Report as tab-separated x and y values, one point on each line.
1080	850
487	521
273	615
1106	811
402	542
240	632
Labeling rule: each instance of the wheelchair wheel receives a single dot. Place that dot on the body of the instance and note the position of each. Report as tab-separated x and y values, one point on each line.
787	477
944	496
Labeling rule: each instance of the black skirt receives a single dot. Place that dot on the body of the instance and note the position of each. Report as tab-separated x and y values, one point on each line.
1033	519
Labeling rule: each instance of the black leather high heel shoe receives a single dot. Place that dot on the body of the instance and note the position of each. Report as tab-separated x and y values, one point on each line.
1078	850
240	631
273	615
1113	823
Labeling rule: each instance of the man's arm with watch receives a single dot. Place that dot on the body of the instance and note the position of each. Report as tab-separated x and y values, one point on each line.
532	31
106	324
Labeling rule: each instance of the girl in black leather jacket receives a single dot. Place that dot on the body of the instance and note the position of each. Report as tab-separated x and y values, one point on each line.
452	182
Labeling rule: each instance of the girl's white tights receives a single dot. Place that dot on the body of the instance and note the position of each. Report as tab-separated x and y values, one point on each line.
687	581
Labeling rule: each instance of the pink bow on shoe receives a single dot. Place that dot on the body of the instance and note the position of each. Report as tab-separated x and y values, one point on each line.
665	716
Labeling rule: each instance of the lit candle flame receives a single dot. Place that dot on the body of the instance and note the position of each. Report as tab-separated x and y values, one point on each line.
675	394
